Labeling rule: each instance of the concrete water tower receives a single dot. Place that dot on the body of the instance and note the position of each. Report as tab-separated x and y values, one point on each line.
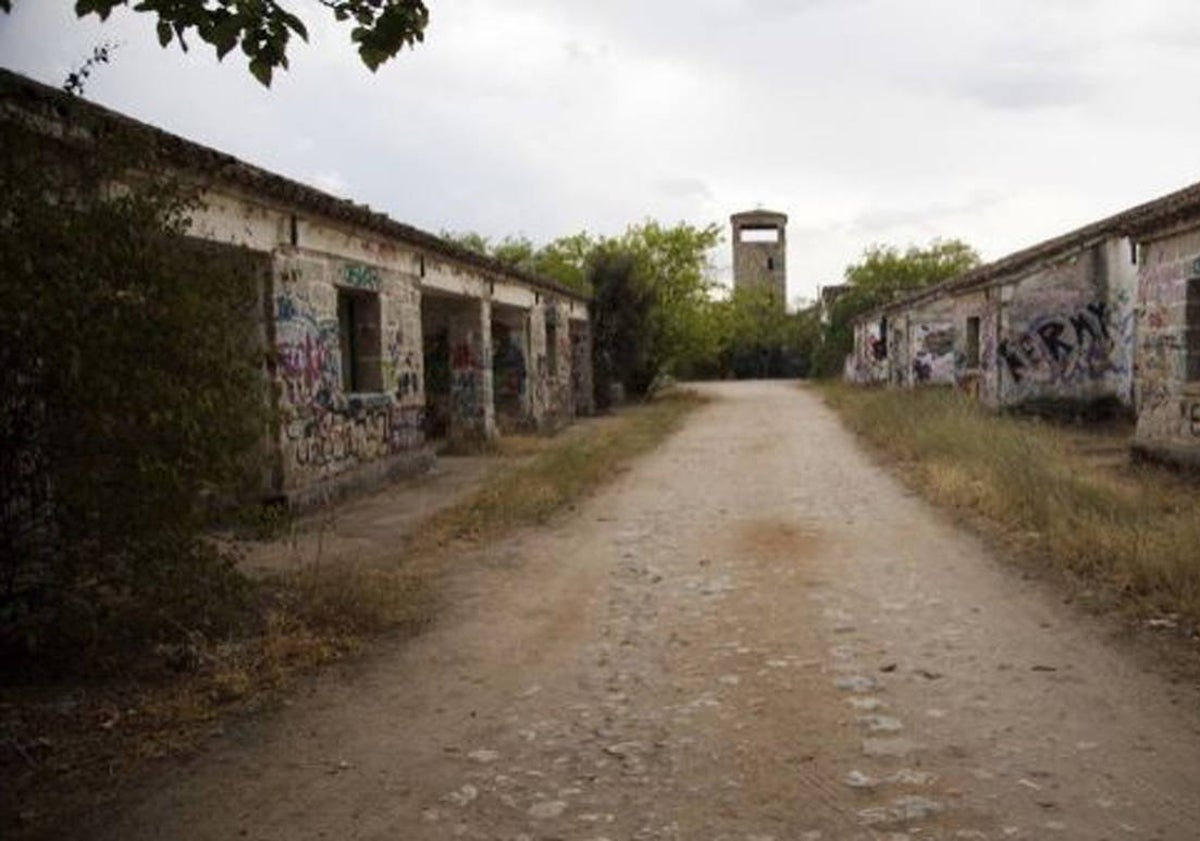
760	250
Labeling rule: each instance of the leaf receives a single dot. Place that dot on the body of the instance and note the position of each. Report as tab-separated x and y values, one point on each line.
164	33
261	70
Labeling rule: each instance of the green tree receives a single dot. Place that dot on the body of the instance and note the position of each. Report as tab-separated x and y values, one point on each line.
132	397
264	28
885	273
564	260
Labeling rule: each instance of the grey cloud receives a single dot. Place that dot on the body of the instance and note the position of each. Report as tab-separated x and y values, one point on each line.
879	220
685	188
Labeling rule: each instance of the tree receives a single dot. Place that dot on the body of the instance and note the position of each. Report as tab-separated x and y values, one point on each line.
884	274
132	396
564	260
263	28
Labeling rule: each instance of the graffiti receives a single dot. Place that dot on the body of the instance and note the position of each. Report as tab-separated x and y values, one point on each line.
331	439
1191	418
934	359
465	394
285	307
1063	349
362	277
400	367
308	353
462	356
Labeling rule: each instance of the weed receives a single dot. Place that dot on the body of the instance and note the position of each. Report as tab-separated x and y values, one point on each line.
1134	533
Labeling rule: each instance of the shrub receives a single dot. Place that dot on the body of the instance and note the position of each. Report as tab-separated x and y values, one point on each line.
131	396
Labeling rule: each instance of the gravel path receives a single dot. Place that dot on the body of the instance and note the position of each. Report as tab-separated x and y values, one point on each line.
754	634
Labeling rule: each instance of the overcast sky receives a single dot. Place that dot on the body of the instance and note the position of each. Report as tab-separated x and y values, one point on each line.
1000	122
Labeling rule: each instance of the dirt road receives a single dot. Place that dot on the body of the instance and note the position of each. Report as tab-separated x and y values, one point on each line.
754	634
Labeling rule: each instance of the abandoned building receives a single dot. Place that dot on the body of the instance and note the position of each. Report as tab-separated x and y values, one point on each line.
760	251
1167	351
385	338
1105	317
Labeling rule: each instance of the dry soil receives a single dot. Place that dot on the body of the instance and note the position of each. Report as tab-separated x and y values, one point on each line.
754	634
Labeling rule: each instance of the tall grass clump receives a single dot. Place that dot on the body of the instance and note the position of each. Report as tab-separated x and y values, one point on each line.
1134	532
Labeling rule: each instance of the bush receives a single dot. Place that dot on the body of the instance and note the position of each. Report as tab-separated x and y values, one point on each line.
131	397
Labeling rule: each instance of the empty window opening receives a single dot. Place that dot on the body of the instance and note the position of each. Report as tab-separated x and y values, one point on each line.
358	338
973	342
551	349
758	235
770	264
1192	315
882	343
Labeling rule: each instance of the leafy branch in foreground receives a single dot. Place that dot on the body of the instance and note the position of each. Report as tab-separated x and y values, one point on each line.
264	28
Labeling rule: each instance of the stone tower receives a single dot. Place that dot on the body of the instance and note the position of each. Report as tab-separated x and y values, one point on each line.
760	250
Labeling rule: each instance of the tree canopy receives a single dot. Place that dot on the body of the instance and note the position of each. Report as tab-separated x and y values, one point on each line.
264	28
883	274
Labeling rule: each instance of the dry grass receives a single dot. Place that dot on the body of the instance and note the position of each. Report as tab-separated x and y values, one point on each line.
1132	534
65	749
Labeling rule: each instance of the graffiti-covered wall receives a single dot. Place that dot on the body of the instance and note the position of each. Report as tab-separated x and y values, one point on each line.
1065	329
1168	394
868	363
1059	330
928	352
552	397
328	427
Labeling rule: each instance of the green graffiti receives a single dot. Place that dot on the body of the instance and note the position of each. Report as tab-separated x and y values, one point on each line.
362	277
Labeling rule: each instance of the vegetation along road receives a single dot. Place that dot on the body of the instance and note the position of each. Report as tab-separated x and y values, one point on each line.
753	634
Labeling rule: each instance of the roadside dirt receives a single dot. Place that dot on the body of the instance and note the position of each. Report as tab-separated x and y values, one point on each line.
754	634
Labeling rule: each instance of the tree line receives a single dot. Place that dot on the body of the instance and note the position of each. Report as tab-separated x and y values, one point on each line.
659	311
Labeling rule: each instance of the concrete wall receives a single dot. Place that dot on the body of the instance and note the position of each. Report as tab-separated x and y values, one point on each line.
1168	403
1065	329
1058	332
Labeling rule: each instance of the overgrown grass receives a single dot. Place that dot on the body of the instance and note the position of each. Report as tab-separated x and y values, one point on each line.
63	747
1132	534
559	475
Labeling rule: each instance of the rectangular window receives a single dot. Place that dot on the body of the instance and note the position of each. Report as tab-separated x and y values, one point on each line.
1192	316
973	342
881	346
359	340
758	235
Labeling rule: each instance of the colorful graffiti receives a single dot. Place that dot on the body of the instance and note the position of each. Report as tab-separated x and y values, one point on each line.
359	434
1063	348
308	353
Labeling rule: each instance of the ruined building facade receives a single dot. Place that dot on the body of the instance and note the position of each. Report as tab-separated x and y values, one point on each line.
1104	317
383	339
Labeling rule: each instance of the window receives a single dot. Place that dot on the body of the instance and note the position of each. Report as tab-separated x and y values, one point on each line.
770	264
551	347
358	338
758	235
881	344
1192	321
973	342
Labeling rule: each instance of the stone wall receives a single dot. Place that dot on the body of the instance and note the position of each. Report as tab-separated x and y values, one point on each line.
327	429
1168	402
